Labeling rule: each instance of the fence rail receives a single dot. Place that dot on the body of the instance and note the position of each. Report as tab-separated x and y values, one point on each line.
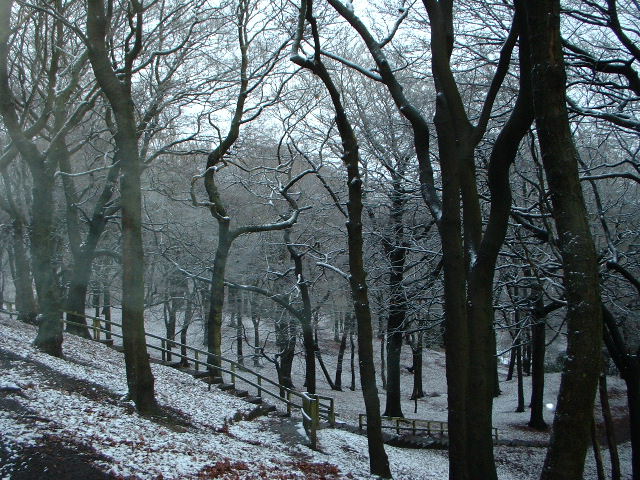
292	399
414	426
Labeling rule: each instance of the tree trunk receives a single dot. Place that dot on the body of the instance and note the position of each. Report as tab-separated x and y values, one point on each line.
378	460
512	362
418	391
343	347
383	364
139	377
538	345
608	425
574	411
239	329
22	279
520	407
352	385
106	310
597	455
397	301
255	320
49	338
216	298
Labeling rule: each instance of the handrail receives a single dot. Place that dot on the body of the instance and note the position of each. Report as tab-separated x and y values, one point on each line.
441	427
327	410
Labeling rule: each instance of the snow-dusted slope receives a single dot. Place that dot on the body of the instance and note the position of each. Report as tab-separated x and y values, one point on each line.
78	404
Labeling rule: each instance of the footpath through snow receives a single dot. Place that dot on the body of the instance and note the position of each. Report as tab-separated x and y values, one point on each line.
68	419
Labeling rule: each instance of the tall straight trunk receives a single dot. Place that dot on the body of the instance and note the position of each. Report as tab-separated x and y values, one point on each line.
117	89
633	402
239	329
608	425
512	361
106	310
352	385
538	345
574	411
383	364
216	298
22	279
395	325
520	406
418	391
139	377
255	320
378	460
628	365
343	346
49	338
597	454
397	254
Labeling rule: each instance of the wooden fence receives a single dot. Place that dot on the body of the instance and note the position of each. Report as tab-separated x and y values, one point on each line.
313	407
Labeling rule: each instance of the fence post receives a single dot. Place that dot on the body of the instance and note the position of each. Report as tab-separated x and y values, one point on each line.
332	413
288	396
360	421
233	373
96	329
197	362
259	386
414	426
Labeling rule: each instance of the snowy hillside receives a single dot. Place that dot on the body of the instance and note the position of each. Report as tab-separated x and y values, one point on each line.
68	419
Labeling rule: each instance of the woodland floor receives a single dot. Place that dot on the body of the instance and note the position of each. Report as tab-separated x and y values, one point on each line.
68	419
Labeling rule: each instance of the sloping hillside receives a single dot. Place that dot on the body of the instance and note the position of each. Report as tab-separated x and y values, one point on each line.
70	419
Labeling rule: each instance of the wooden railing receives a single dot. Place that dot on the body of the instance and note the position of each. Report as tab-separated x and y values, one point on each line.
322	407
414	426
8	307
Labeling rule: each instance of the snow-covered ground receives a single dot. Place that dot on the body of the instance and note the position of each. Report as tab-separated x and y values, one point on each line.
80	402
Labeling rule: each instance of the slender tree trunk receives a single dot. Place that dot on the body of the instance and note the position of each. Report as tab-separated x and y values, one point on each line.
538	345
597	455
255	320
418	391
574	411
22	279
352	385
633	402
188	315
512	362
343	347
383	363
117	88
106	311
239	329
216	298
608	425
520	407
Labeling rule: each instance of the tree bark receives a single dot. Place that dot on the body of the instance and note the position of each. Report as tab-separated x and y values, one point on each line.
574	411
216	298
117	89
378	460
608	425
538	345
